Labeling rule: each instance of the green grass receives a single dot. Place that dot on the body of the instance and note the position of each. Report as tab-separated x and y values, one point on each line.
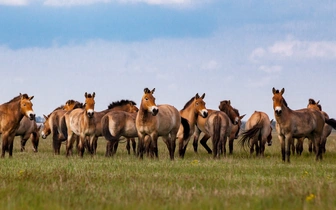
45	181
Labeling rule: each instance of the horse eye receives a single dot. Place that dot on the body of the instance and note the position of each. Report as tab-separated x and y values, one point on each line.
196	103
146	99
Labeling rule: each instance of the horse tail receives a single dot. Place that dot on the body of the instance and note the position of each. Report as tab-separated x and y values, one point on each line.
64	129
217	128
105	128
186	128
247	135
331	122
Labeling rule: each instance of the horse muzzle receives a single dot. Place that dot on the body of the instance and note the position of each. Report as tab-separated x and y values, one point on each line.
155	111
90	114
204	113
269	143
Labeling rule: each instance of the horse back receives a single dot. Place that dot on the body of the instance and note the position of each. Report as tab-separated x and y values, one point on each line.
168	118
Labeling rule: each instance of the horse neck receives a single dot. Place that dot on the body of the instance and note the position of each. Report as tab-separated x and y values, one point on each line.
284	116
143	114
15	110
190	115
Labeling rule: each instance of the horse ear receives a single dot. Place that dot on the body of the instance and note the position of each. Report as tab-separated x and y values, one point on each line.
229	102
273	90
197	96
271	121
31	98
45	117
85	94
39	127
203	96
282	91
153	91
241	117
318	102
93	94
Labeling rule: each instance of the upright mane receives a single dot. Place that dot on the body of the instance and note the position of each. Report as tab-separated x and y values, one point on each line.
77	103
188	103
120	103
313	102
25	96
284	100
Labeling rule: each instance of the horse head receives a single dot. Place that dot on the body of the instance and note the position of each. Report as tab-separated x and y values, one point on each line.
148	102
314	105
269	137
89	104
46	127
26	106
72	104
200	105
225	106
278	101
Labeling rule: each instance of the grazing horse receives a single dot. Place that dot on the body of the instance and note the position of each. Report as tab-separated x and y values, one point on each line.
192	109
123	105
116	124
81	123
326	130
29	129
258	132
52	123
235	118
154	121
11	113
291	124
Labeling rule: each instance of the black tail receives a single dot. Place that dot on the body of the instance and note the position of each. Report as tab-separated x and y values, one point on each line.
216	134
186	128
247	135
64	129
331	122
105	129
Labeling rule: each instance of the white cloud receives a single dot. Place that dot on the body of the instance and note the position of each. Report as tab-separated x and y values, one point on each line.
270	69
14	2
211	65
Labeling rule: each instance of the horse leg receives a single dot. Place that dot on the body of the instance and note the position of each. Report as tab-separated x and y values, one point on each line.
10	145
81	145
283	148
115	146
203	142
173	146
231	145
133	145
154	138
196	136
288	149
128	146
23	144
141	146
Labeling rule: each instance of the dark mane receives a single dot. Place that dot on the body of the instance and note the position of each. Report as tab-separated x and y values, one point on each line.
284	101
25	96
225	108
89	95
146	90
311	101
120	103
188	103
77	103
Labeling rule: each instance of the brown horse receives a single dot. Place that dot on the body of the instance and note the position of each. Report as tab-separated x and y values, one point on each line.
326	130
11	113
80	123
192	109
52	124
116	124
29	129
235	118
258	132
291	124
155	121
123	105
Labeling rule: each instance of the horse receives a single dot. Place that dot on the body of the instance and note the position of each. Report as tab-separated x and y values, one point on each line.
116	124
235	118
52	123
258	132
123	105
154	121
291	124
218	126
29	129
81	123
326	130
192	109
11	113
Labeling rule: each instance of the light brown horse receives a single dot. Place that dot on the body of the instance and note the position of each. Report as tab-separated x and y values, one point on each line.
235	118
11	113
154	121
326	130
80	123
192	109
258	132
29	129
123	105
52	124
116	124
291	124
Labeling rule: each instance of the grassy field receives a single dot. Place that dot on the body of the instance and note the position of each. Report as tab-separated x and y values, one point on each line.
45	181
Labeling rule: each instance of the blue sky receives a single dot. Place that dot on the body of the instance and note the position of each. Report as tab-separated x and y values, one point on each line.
231	50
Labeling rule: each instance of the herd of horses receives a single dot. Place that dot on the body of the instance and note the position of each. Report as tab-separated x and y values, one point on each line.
78	123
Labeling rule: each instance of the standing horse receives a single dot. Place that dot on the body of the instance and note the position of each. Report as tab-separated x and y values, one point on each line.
258	132
82	124
192	109
11	113
52	123
326	130
28	129
123	105
155	121
232	113
291	124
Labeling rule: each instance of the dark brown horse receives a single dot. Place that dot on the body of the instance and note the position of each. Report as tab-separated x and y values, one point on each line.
154	121
29	129
235	118
11	113
258	132
192	109
80	123
52	124
291	124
